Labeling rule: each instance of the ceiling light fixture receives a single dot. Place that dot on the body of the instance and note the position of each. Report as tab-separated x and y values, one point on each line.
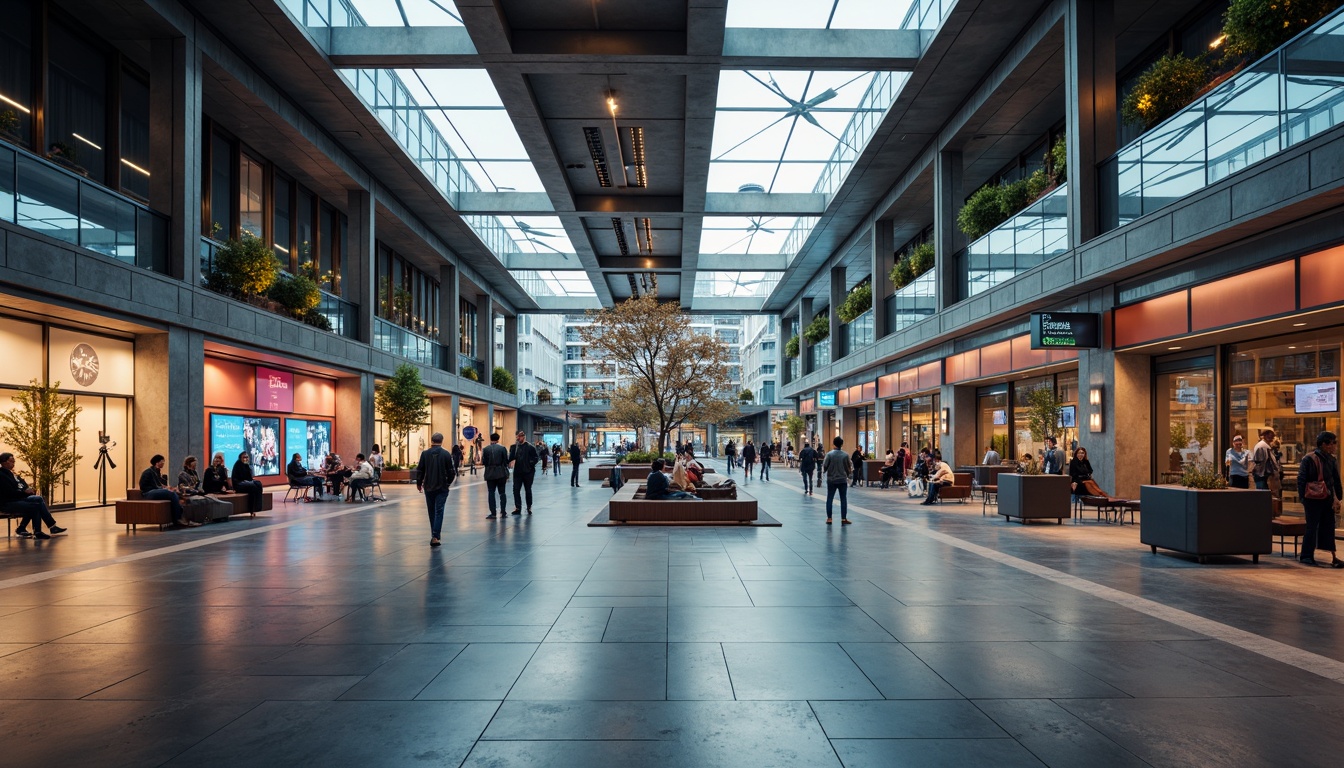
620	151
86	141
620	235
599	154
15	104
637	149
1298	325
1173	349
648	236
133	166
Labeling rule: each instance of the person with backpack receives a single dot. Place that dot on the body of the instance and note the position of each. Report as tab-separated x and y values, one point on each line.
438	470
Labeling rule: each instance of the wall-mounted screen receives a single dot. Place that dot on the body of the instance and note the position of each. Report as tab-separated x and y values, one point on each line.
1068	417
259	436
1000	417
553	439
275	390
1316	397
310	438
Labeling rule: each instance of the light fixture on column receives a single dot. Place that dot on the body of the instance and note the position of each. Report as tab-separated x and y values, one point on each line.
946	423
1094	402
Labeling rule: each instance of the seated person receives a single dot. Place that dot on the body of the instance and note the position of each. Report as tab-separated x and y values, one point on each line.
154	487
659	488
680	479
940	476
336	472
216	478
244	482
17	498
1026	465
890	470
299	477
361	477
190	491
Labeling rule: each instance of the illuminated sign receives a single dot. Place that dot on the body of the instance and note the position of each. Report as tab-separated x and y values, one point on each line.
275	390
826	399
1065	330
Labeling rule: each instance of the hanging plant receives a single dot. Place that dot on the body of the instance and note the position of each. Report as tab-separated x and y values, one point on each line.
818	330
1164	89
859	300
1253	28
792	347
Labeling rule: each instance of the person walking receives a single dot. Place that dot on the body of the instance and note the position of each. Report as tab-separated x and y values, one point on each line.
1263	463
857	460
556	453
523	459
749	458
1319	489
807	464
457	457
495	464
438	470
838	468
17	498
1053	462
767	455
1238	463
544	454
575	459
821	458
730	453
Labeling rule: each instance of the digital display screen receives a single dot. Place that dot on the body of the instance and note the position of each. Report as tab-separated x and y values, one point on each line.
259	436
826	399
552	439
1000	417
310	438
1068	417
1317	397
1065	330
275	390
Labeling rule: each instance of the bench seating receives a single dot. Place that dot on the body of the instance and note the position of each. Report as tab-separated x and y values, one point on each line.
960	488
628	505
134	511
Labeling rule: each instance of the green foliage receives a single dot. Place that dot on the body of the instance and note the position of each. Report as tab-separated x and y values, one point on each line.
62	151
1177	437
502	379
1204	433
1000	444
911	264
296	293
1043	412
794	426
1256	27
243	268
1164	88
42	429
981	212
468	372
745	396
1057	160
544	396
317	320
646	457
1203	475
859	300
9	121
792	347
402	403
818	330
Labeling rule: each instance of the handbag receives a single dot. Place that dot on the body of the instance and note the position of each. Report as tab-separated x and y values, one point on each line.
1317	489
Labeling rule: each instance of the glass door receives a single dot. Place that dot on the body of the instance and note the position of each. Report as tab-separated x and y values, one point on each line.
1187	410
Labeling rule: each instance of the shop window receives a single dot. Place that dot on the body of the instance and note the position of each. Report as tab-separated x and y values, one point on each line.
466	320
328	265
305	204
221	188
251	195
282	222
16	72
993	423
76	107
923	423
134	139
1187	412
1023	441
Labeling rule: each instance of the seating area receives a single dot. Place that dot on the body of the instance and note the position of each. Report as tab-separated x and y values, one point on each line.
630	506
134	511
960	489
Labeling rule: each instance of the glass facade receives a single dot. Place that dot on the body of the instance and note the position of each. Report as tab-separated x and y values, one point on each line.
76	105
992	425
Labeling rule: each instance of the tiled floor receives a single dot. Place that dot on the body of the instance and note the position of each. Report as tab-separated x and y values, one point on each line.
333	635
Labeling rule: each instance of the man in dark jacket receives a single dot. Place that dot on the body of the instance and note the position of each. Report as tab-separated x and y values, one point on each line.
767	453
17	498
807	464
298	476
575	459
495	461
1320	465
658	488
523	458
154	487
438	469
748	458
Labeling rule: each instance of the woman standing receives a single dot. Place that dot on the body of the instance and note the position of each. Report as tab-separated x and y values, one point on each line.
1319	489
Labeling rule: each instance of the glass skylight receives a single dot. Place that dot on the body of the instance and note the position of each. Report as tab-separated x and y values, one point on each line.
418	13
539	234
747	235
548	282
812	14
735	285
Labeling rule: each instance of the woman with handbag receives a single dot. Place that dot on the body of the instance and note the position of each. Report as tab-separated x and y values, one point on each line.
1319	489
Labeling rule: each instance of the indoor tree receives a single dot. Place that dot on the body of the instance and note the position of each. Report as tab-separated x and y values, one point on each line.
403	404
1043	412
793	427
41	427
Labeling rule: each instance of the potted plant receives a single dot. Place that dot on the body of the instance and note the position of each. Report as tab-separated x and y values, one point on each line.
544	396
501	379
65	156
42	427
1033	494
402	403
395	473
859	300
818	330
296	294
792	347
1203	517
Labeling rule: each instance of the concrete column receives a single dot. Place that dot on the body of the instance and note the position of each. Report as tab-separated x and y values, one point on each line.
169	410
511	345
509	428
1089	107
948	195
805	313
443	417
882	248
357	273
849	427
490	421
456	423
712	440
449	333
959	444
485	335
882	411
838	278
354	406
175	150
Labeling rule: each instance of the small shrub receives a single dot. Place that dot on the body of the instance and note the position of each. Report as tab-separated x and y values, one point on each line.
1057	160
859	300
502	379
818	330
9	122
296	293
317	320
244	268
544	396
1172	82
646	457
745	396
1253	28
921	259
792	347
1203	475
981	212
467	372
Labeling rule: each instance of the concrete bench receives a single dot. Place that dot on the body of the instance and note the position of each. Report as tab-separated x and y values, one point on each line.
629	505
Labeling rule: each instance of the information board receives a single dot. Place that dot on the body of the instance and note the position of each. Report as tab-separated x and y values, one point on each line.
1065	330
1316	397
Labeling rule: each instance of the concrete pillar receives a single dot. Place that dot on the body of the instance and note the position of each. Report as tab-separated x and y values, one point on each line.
355	416
456	423
1089	107
804	317
443	417
881	439
509	424
511	346
489	426
712	440
959	444
485	335
175	149
169	410
449	333
357	273
882	248
849	427
838	278
948	196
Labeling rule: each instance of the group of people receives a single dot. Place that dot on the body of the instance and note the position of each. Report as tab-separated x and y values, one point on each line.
1318	485
749	455
334	472
200	490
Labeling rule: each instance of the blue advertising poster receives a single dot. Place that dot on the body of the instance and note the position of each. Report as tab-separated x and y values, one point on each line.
226	436
261	438
552	439
296	441
826	398
310	439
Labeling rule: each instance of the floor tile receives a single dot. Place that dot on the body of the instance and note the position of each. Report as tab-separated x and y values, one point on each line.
795	671
595	672
482	671
905	720
1013	670
933	753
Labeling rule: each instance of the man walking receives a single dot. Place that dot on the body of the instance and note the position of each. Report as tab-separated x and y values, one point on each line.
495	461
556	453
767	452
838	468
730	452
437	472
523	458
749	458
807	463
575	459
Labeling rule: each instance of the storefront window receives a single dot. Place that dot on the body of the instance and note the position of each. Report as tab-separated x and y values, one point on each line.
282	228
1187	411
16	72
866	429
303	225
898	423
924	422
1276	383
221	188
993	422
1066	390
1023	441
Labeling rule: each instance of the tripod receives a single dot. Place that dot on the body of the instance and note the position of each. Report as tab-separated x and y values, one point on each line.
104	461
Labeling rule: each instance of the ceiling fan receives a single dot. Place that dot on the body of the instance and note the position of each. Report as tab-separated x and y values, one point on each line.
796	109
532	234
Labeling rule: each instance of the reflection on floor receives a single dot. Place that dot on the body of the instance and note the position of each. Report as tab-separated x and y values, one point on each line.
333	634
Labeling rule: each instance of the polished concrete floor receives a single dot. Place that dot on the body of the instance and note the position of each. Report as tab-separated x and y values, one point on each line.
333	635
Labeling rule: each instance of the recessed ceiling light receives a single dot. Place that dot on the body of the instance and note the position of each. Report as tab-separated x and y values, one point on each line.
1298	325
1173	348
1292	347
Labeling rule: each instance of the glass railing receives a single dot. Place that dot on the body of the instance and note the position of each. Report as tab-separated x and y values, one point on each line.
467	361
1039	232
927	14
912	303
856	334
37	194
395	340
1287	97
820	354
341	315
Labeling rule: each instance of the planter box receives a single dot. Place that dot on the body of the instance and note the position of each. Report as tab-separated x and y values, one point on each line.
598	473
1202	523
1034	497
396	476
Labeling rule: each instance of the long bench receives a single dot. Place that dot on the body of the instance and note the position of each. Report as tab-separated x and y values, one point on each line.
629	505
134	511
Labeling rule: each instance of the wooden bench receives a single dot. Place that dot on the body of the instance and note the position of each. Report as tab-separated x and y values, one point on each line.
960	489
1285	527
134	511
629	505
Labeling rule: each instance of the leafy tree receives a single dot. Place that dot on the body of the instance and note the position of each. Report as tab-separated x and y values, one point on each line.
1203	434
245	268
794	425
745	396
402	403
1043	412
42	429
502	379
677	374
1177	437
297	293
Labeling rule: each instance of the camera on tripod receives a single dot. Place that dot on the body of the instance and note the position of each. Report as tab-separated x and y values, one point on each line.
105	439
104	461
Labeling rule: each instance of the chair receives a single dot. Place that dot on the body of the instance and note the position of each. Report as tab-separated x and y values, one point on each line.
297	493
377	495
986	491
